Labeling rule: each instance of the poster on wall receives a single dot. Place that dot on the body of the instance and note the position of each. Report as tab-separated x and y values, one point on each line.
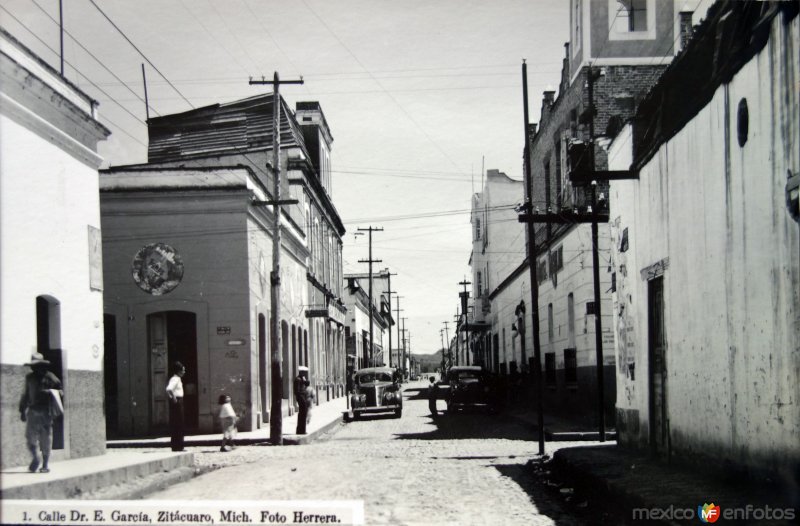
95	259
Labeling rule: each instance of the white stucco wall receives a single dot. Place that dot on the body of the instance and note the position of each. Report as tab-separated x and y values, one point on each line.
732	288
48	199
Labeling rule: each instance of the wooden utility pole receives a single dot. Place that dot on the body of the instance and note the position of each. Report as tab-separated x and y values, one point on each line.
146	103
598	337
276	418
531	235
399	345
464	296
447	343
371	306
403	366
390	292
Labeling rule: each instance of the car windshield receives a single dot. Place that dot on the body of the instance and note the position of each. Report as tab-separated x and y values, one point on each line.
367	378
468	375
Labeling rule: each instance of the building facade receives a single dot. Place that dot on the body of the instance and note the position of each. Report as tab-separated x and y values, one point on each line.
705	248
188	256
51	281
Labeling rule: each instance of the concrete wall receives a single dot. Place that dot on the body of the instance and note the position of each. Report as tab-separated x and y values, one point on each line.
717	211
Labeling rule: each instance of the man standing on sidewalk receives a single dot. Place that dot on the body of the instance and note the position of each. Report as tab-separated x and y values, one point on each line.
37	408
302	395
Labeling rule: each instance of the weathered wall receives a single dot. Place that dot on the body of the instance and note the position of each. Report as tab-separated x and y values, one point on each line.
718	211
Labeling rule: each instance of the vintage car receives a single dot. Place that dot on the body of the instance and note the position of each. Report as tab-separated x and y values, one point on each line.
375	390
470	386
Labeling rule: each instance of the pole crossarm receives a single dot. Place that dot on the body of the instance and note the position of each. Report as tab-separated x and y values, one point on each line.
585	177
256	202
564	217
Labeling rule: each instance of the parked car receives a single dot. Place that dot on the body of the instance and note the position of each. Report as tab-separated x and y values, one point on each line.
376	390
470	386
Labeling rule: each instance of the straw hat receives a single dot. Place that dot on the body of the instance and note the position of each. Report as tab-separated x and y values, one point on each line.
38	359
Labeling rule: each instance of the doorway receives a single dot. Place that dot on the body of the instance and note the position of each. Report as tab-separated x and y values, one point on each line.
657	367
48	344
172	336
110	406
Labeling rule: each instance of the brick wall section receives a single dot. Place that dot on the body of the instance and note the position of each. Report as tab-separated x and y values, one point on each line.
616	95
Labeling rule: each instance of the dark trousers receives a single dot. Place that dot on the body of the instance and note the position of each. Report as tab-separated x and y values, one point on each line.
176	424
432	406
302	417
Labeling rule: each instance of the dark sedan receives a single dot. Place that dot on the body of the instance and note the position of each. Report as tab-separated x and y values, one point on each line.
470	386
376	391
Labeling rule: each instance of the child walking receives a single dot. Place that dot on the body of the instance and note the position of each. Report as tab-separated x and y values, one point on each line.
227	418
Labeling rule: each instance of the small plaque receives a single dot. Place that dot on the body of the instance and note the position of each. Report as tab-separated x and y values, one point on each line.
223	330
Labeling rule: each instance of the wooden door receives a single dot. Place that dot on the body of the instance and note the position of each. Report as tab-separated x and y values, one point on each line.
159	369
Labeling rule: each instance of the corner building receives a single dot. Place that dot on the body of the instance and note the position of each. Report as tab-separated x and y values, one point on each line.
188	256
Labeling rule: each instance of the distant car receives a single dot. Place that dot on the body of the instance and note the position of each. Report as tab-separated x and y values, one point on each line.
470	386
375	390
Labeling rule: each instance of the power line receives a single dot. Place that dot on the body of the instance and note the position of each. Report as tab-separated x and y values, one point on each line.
140	52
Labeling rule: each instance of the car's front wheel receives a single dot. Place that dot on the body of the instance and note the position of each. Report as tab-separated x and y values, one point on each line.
398	412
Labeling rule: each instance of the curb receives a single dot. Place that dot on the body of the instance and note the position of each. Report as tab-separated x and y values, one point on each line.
298	440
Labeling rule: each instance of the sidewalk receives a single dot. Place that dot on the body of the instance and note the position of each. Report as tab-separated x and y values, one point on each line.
630	479
324	417
559	429
75	478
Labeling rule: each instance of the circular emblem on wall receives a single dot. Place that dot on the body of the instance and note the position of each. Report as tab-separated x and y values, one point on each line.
157	268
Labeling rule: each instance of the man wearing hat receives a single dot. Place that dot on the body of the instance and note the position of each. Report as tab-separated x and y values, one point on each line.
37	408
302	395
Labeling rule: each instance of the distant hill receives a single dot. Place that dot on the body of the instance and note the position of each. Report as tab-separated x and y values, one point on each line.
429	362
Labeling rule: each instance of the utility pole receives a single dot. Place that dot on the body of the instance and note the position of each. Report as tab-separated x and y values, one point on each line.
598	341
371	306
441	333
464	299
276	418
531	235
61	32
398	311
390	292
447	342
404	347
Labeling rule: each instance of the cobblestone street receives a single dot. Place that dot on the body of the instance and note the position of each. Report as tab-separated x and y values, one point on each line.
468	468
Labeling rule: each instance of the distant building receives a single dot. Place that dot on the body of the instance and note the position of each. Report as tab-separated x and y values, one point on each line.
705	246
360	352
498	248
51	276
188	258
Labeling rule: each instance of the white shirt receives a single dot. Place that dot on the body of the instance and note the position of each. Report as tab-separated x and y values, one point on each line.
227	411
175	386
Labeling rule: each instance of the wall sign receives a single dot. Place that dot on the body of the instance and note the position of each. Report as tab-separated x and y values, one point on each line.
157	269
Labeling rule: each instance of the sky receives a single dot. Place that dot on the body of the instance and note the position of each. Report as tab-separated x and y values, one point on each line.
421	96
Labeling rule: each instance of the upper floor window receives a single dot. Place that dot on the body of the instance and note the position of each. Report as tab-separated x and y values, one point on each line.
576	27
480	284
477	229
631	19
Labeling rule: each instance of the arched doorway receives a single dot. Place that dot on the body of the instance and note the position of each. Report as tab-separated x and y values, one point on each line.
172	336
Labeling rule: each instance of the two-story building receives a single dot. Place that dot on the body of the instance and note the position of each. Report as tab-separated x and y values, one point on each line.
187	247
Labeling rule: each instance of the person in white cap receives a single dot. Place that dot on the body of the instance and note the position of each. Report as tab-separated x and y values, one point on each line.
38	408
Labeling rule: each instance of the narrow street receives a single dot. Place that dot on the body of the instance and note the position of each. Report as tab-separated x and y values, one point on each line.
468	468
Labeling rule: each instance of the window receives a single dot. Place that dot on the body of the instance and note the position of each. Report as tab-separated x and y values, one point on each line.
556	260
589	308
480	283
571	319
631	19
623	244
541	270
477	229
550	323
576	27
570	366
550	369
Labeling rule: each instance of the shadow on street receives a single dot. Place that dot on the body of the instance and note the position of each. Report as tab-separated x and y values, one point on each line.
470	425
